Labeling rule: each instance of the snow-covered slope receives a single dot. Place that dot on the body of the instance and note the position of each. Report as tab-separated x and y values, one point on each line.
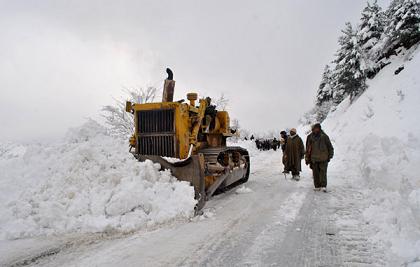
88	182
377	141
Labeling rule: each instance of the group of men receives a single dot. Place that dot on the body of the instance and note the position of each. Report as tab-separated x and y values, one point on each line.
318	153
267	144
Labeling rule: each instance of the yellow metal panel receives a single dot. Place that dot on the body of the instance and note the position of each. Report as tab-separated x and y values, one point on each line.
224	120
182	119
152	106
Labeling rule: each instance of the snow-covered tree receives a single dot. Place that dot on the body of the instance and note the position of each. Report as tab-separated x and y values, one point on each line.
403	28
119	121
309	117
346	79
348	76
317	113
325	89
323	101
371	26
323	110
369	33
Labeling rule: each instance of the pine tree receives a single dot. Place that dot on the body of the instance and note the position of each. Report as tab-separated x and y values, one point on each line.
403	29
324	96
369	33
371	26
348	77
325	93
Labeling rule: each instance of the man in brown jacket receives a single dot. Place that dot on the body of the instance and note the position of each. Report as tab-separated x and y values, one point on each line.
319	151
293	154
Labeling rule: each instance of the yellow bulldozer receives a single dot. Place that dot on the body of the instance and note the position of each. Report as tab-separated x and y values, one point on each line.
189	139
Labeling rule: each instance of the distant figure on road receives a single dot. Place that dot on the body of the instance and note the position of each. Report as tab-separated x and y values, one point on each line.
274	144
294	153
283	142
319	151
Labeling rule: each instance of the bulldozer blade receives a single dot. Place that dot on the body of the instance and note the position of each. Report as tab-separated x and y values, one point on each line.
190	170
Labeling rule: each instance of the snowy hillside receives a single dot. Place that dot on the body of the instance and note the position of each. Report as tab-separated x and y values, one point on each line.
88	182
377	141
364	50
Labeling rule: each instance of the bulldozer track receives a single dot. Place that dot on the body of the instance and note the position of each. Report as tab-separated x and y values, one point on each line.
211	154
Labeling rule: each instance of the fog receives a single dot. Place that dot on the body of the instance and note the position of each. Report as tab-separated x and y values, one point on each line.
61	61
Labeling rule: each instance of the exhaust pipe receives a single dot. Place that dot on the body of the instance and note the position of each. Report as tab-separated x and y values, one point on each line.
168	87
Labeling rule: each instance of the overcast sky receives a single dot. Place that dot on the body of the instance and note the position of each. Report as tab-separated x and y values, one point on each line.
61	61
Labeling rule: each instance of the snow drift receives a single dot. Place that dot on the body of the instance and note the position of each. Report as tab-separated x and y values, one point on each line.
88	182
377	141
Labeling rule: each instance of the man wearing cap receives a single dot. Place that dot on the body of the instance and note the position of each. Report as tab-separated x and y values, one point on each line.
293	154
319	151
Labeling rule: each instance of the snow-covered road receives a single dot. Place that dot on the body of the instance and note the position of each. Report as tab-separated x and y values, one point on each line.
279	223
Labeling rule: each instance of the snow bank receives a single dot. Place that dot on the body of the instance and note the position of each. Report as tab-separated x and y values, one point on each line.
88	182
377	141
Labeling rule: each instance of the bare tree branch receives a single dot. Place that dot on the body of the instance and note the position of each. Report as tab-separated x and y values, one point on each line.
119	121
221	103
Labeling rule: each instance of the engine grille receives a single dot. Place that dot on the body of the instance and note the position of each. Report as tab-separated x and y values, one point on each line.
159	145
156	132
156	121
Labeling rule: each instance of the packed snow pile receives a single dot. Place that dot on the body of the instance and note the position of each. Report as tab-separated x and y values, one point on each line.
377	142
88	182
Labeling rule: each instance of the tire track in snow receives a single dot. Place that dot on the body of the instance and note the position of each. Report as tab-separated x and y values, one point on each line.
330	231
273	204
268	241
352	231
260	228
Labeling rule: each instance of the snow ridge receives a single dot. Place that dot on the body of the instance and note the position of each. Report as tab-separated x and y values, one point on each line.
88	182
